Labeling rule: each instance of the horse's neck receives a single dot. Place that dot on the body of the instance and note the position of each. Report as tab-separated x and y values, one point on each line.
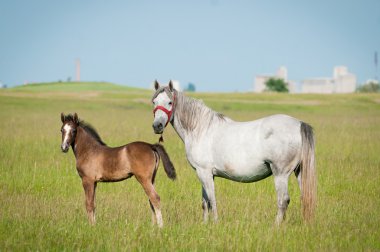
190	129
179	129
83	143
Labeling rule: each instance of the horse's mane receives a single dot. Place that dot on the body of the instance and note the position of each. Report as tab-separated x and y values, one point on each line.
193	114
87	127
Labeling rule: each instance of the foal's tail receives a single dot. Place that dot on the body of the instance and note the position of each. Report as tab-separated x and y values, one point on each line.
168	165
308	172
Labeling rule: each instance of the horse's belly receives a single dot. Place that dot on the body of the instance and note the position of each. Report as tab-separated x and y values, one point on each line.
248	175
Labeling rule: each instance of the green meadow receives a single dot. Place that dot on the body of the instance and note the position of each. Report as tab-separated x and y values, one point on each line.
42	199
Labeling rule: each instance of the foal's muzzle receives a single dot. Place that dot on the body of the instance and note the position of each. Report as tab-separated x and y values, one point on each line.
65	147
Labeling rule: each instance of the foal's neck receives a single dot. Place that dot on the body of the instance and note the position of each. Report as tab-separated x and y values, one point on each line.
84	143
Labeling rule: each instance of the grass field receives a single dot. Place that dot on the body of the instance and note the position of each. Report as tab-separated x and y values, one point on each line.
41	196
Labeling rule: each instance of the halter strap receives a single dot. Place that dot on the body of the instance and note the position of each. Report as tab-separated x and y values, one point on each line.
169	113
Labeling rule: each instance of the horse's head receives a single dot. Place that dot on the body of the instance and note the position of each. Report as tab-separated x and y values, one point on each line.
164	101
69	130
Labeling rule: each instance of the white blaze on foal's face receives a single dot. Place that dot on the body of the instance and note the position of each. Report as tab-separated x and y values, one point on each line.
66	130
66	134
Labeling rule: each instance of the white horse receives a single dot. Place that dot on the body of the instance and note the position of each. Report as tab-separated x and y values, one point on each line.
215	145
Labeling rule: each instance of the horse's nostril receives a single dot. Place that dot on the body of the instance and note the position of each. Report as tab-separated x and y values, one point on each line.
157	125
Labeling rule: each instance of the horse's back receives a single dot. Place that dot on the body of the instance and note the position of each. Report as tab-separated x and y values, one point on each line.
281	140
279	128
262	131
244	150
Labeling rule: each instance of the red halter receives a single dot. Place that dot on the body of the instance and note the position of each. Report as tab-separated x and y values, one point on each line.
169	113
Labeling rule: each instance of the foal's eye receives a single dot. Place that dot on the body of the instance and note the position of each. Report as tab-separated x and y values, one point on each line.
170	103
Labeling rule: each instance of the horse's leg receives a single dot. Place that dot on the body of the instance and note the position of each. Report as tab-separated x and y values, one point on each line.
154	199
208	194
89	187
206	206
298	174
283	199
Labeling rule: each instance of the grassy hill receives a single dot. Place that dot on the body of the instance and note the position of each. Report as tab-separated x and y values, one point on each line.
72	87
41	194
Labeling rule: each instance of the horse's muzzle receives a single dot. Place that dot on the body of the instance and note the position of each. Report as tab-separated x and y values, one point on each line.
158	127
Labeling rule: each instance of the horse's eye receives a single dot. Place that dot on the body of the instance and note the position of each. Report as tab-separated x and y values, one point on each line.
62	130
170	103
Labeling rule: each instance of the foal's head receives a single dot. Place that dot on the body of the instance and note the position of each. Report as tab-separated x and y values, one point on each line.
69	127
164	101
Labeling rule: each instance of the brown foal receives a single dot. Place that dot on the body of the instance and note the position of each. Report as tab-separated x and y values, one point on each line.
96	162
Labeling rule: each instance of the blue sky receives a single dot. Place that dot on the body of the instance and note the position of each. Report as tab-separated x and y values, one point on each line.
218	45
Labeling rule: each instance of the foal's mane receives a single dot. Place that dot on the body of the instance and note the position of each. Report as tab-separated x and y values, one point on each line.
92	131
87	127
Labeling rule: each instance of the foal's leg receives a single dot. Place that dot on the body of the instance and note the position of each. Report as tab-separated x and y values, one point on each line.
89	187
208	194
283	199
154	199
154	220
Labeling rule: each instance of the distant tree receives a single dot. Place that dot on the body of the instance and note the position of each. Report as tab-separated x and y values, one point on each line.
371	87
190	87
276	85
69	79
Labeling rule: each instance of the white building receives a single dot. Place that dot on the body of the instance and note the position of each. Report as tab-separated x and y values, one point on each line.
341	82
282	73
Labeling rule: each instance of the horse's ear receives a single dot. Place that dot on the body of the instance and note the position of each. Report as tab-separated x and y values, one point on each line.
156	84
171	86
76	118
62	117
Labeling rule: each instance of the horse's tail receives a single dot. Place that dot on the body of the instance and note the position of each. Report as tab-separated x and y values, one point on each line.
168	165
308	172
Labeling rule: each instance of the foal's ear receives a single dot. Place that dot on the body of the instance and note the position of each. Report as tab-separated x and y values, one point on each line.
171	86
62	117
156	84
76	118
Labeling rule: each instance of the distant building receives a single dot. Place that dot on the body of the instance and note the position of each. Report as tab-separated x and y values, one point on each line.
372	81
282	73
341	82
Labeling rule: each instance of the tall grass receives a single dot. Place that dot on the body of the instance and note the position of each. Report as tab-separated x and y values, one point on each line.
41	195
